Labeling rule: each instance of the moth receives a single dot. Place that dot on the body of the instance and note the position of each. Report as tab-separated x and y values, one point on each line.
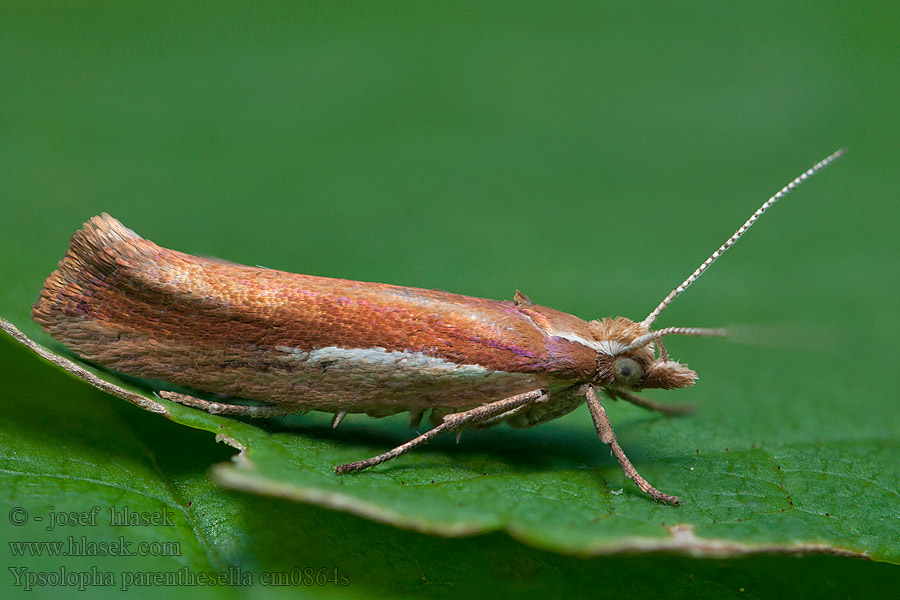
297	343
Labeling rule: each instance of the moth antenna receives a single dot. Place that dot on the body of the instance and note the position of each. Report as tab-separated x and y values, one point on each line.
655	335
737	235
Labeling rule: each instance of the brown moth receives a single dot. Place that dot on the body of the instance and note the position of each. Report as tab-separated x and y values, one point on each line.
299	343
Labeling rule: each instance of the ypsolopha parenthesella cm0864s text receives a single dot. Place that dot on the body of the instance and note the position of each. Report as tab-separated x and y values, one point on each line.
299	343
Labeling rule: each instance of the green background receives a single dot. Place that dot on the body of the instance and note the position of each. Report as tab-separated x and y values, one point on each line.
590	155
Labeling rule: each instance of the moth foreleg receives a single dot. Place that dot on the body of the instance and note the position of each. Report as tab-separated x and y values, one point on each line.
608	437
218	408
454	421
666	409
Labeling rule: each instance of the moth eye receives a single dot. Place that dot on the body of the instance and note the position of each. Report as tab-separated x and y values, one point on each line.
628	371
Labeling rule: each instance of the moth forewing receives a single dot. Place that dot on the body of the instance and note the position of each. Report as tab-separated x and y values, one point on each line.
298	342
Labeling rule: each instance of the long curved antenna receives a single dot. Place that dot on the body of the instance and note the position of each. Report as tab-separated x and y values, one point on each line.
655	335
737	235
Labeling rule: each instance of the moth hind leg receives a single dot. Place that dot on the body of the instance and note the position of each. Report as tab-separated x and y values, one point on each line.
219	408
451	422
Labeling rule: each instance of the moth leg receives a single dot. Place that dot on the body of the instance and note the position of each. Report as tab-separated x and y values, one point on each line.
608	437
499	418
218	408
666	409
452	421
494	421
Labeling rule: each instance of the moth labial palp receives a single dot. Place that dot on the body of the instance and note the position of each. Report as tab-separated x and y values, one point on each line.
298	343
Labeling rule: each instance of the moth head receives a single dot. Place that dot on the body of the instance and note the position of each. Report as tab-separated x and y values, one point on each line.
632	357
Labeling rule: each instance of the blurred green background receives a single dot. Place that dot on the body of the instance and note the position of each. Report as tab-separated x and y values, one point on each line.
590	154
